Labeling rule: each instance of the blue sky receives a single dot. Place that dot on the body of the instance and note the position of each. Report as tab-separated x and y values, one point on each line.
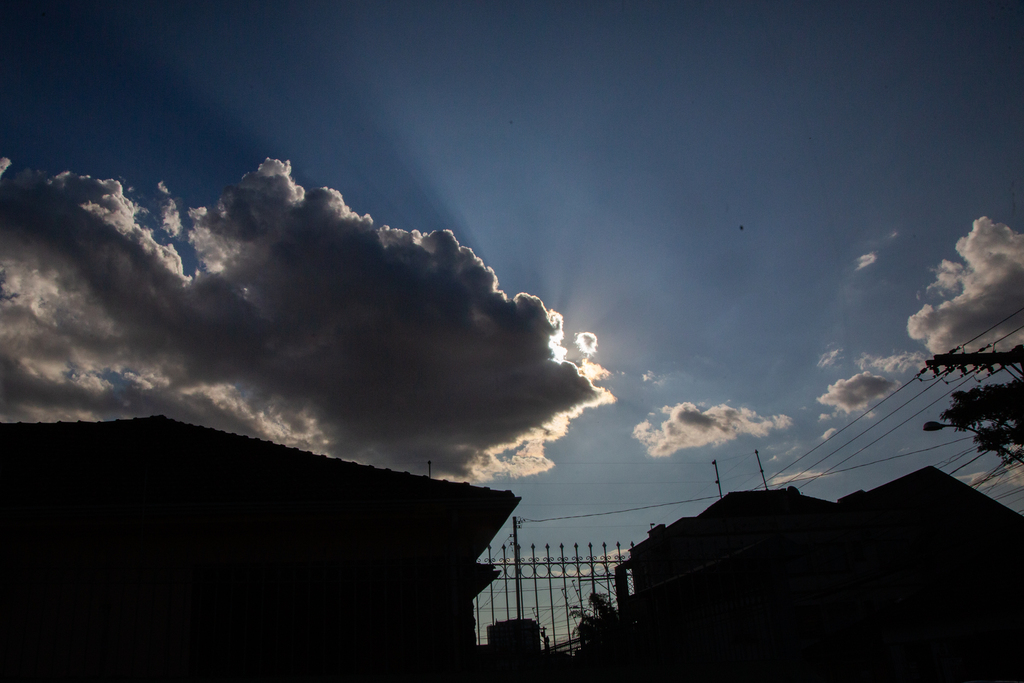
601	157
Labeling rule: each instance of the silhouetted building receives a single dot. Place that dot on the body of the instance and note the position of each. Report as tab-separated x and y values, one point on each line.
514	636
912	581
149	547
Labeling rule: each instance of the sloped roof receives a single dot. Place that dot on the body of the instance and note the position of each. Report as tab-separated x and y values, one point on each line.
764	503
926	487
165	462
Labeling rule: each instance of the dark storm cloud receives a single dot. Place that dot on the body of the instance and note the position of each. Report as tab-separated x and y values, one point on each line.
306	324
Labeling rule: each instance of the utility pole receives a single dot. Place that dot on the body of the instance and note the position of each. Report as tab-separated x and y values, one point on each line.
515	549
1012	361
428	470
758	456
715	463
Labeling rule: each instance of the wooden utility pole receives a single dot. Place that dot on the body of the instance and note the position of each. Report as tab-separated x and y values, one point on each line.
715	463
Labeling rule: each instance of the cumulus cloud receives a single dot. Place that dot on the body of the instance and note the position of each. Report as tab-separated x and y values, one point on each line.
898	362
866	260
857	393
828	433
982	290
305	323
586	342
830	358
170	217
593	371
689	427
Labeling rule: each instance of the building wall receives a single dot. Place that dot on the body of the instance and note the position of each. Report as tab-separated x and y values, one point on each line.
873	592
123	595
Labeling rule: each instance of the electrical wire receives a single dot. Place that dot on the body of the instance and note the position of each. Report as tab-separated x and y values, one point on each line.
617	512
862	448
1008	334
967	463
862	433
1019	310
860	417
918	376
1009	493
891	457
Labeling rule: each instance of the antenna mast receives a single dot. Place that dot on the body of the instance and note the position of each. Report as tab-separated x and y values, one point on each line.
715	463
758	456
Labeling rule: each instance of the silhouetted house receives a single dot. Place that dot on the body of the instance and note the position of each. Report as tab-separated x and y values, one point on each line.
514	636
149	547
916	580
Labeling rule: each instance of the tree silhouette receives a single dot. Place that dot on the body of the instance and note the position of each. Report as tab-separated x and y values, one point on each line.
598	629
995	413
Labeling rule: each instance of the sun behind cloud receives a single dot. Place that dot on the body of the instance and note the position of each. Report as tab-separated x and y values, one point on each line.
305	323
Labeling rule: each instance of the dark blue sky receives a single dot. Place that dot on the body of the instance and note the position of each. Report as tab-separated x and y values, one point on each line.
602	157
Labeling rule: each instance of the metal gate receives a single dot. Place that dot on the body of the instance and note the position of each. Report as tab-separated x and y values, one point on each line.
552	588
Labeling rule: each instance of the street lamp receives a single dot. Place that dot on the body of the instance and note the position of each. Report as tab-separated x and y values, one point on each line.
1000	451
936	426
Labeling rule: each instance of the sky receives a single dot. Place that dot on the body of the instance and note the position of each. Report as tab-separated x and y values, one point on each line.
577	250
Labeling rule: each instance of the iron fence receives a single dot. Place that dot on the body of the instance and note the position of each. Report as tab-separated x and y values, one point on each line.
553	588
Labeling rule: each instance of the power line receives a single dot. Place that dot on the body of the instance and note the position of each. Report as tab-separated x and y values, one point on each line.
869	410
617	512
862	448
1007	494
891	457
950	461
951	473
862	433
860	417
1012	332
990	329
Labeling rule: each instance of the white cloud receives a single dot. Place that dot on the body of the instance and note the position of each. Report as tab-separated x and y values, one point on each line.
830	358
898	362
794	477
169	215
593	371
586	342
689	427
984	289
866	260
858	392
828	433
5	164
306	324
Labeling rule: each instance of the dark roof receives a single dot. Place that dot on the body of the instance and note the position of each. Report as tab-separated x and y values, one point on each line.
946	500
926	489
765	503
160	461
